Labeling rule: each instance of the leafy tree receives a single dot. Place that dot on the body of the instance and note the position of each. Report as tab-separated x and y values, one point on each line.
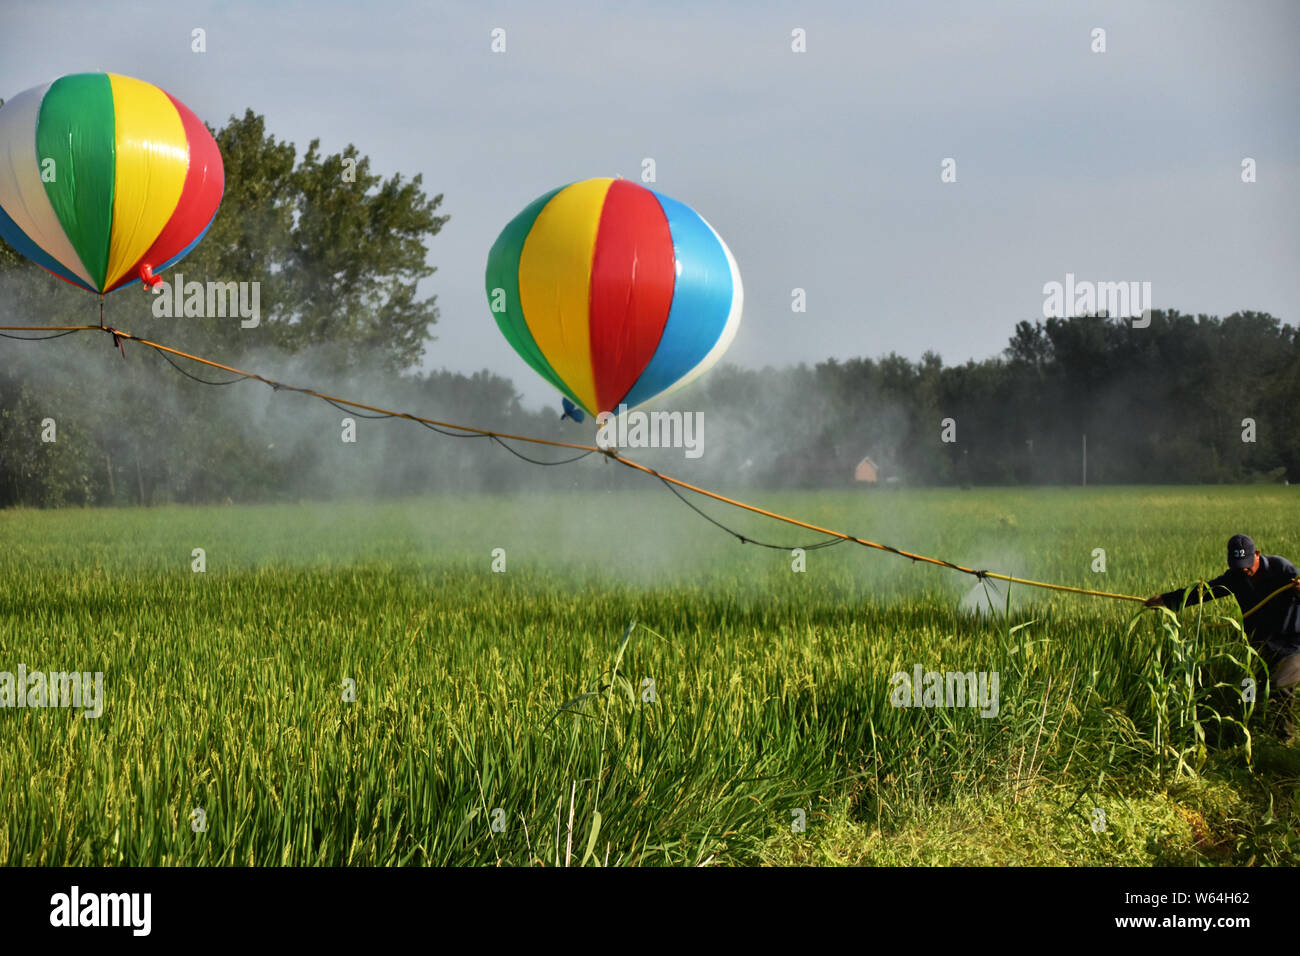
337	252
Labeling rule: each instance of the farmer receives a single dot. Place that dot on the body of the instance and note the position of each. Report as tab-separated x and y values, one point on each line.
1273	629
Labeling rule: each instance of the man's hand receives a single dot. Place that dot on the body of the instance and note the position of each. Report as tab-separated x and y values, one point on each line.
1296	583
1155	599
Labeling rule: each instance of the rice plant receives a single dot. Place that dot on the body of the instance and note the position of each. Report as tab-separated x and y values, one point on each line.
354	684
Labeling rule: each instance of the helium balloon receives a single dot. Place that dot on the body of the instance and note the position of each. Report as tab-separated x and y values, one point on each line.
105	180
614	293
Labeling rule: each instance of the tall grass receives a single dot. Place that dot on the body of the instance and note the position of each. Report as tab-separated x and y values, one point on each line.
519	718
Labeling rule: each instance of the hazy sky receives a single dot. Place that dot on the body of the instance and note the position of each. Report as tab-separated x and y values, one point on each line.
821	170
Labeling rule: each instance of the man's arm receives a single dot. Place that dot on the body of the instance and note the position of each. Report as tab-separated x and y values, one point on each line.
1289	570
1173	600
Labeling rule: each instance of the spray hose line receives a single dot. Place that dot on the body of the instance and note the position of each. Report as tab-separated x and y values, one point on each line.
464	431
1281	590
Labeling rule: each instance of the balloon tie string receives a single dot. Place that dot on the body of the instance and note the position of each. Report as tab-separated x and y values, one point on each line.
675	485
117	336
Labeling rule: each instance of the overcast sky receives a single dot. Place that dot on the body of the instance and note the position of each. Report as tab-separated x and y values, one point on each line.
821	170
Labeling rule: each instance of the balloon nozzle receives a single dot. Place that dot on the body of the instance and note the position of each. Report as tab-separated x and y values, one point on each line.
147	278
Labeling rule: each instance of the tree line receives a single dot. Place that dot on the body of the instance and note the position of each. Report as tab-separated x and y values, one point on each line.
1187	399
338	252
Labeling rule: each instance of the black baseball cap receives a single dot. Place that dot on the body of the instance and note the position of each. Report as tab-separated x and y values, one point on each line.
1241	552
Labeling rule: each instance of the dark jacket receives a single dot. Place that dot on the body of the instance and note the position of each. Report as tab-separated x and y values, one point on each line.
1275	626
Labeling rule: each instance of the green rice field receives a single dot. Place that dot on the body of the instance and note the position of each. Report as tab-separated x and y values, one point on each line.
356	684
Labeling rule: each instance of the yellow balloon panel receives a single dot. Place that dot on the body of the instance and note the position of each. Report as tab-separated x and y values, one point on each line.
152	158
555	281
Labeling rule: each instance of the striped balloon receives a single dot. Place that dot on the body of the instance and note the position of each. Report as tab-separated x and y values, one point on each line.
614	293
105	180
